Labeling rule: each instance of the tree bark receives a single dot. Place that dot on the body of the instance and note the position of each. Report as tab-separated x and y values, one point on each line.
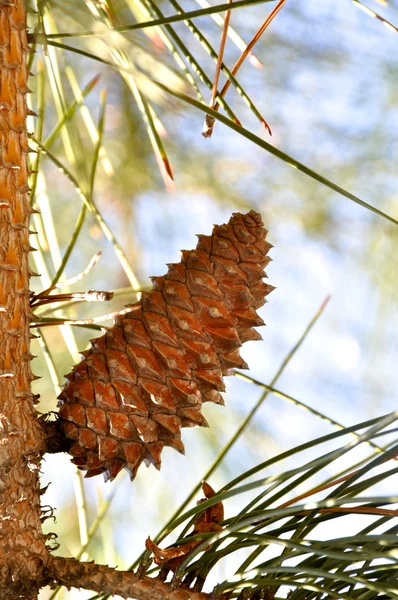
23	546
100	578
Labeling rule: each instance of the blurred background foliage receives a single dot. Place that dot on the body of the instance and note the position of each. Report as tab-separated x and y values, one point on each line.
324	78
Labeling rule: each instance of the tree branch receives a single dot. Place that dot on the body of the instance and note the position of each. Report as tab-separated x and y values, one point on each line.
101	578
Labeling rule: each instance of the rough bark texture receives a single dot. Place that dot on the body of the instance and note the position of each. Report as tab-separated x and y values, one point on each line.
100	578
22	544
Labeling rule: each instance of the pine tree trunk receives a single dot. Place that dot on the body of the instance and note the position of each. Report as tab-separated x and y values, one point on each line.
22	545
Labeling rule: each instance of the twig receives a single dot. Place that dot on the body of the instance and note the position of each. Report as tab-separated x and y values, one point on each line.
112	315
70	281
85	272
209	120
89	296
101	578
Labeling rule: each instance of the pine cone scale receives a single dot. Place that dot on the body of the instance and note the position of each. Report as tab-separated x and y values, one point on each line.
148	376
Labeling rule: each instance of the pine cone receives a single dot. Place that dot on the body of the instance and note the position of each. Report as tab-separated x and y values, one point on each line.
148	375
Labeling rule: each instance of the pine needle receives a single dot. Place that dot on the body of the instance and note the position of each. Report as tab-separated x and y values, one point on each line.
209	121
375	15
247	51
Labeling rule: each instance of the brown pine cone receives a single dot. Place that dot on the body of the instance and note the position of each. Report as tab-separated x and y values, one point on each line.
148	375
